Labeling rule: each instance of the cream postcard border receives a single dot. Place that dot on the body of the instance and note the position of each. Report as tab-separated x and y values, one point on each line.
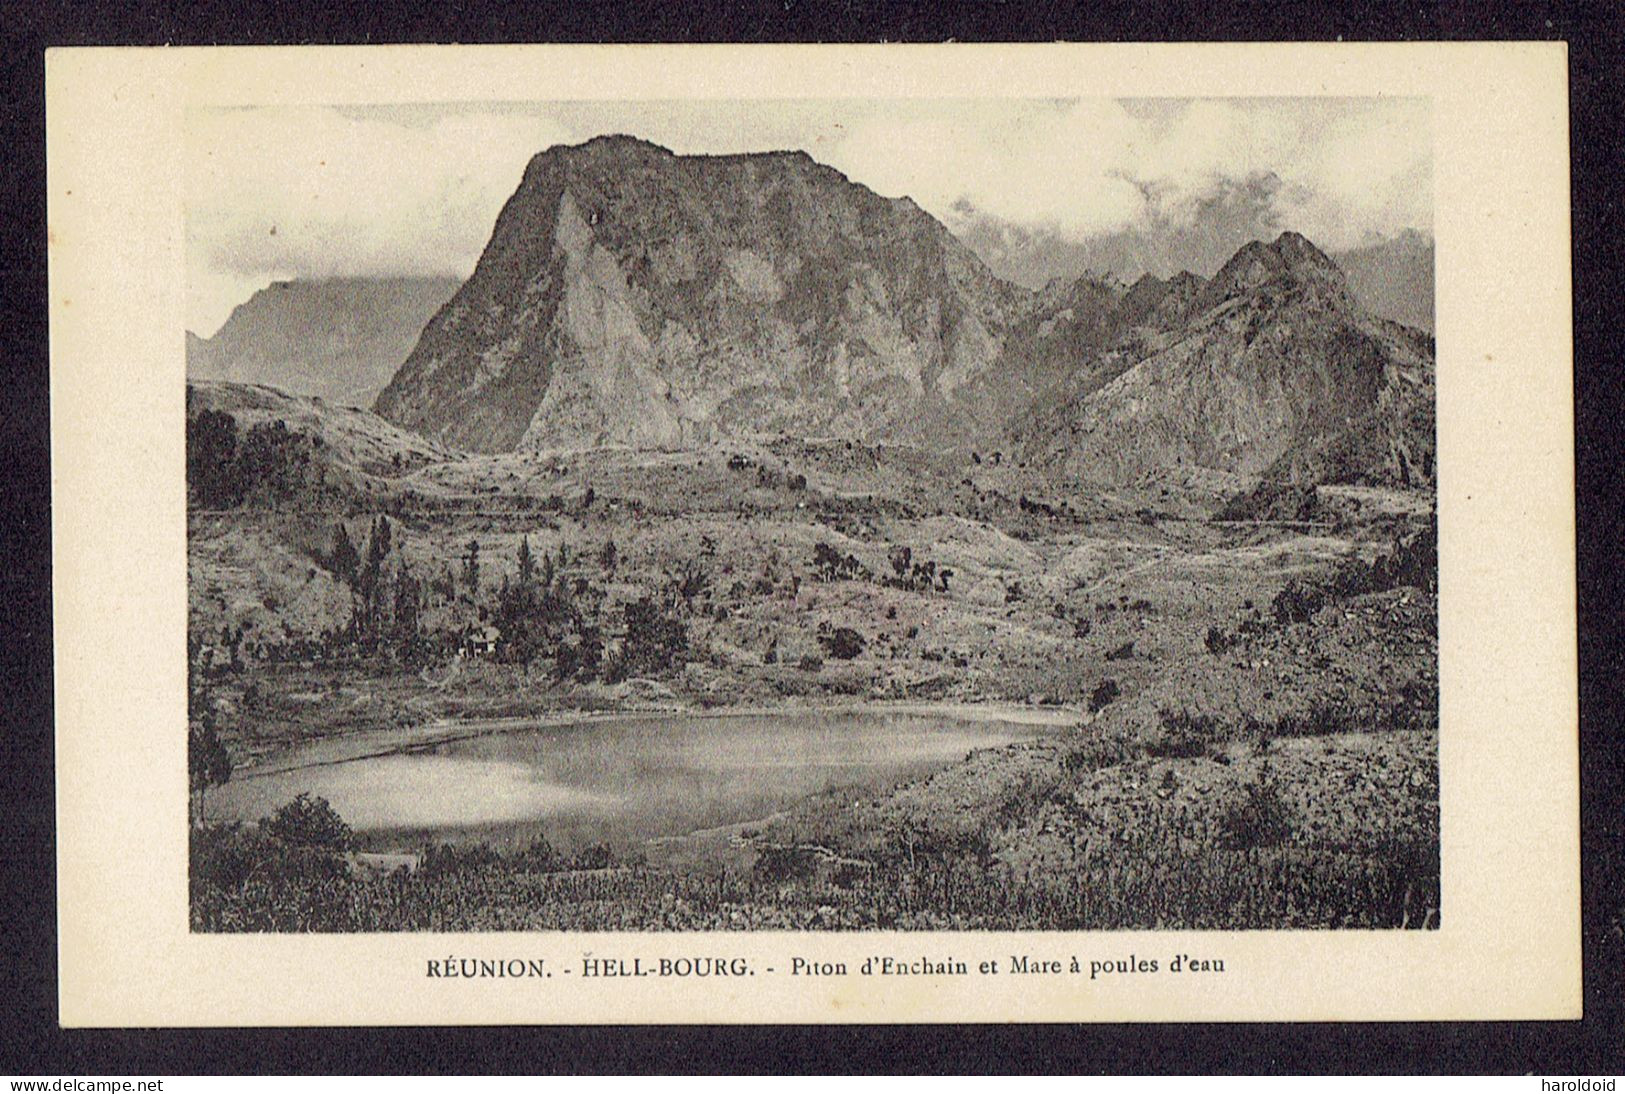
1509	946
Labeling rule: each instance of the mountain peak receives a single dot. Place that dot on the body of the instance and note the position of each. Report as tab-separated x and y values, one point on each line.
1296	250
632	295
1291	257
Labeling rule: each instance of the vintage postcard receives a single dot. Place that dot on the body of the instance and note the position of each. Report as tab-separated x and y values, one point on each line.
582	534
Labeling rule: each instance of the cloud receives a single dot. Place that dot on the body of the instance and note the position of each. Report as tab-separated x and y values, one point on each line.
1341	170
310	192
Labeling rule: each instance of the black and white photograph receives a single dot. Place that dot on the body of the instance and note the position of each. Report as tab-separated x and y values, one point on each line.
812	515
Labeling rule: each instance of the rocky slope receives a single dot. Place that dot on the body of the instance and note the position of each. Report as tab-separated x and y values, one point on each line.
339	339
1275	372
632	295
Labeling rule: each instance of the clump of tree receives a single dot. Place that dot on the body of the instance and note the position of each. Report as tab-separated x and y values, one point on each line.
544	613
301	843
655	642
208	764
227	467
386	596
308	822
828	564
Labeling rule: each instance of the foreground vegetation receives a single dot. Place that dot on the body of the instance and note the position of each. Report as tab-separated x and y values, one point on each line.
1197	829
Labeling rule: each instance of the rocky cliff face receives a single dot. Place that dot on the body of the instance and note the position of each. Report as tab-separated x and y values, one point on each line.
340	339
1270	369
632	296
629	295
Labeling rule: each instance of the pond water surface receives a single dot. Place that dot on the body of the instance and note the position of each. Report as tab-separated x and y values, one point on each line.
621	780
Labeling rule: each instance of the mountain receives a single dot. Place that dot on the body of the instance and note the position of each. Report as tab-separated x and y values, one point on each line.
1391	278
339	339
1394	278
631	295
1276	371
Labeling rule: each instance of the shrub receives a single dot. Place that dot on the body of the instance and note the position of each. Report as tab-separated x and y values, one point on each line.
778	865
844	643
1184	735
596	857
443	859
1098	751
1103	695
1121	653
828	564
810	662
1416	708
308	822
1297	602
1218	641
1262	818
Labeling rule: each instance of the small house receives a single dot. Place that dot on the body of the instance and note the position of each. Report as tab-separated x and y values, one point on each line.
481	641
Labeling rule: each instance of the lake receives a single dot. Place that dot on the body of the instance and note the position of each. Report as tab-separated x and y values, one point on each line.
626	779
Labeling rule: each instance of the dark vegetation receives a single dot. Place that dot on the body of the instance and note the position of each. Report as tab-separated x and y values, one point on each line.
1411	561
227	466
1249	855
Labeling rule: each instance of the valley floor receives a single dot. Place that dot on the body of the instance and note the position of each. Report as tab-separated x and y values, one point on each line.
1244	715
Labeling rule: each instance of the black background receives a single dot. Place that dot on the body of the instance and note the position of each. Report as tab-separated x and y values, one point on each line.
33	1044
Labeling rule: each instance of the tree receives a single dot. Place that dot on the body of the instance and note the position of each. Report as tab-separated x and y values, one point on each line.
527	562
369	583
211	460
345	560
900	557
308	822
207	761
471	567
408	605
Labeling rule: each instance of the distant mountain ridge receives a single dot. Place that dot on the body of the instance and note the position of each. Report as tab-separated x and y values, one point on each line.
1270	369
632	296
339	339
1391	278
1394	278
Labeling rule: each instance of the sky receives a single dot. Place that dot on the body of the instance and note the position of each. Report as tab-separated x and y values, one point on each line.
1039	187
